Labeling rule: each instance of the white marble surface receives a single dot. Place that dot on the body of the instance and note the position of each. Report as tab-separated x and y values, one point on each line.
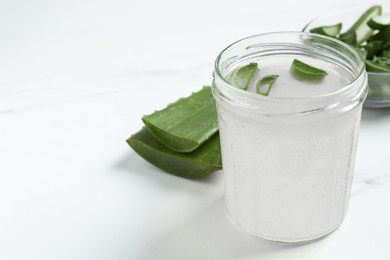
75	79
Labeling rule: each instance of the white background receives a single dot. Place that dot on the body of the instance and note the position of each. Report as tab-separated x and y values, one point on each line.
75	79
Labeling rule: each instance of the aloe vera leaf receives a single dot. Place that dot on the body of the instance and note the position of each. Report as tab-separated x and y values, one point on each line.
360	27
331	30
185	124
372	48
384	36
348	37
379	22
199	163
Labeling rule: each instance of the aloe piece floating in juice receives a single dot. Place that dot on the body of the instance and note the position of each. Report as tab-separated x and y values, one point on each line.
305	71
185	124
243	75
331	30
199	163
360	28
264	85
289	82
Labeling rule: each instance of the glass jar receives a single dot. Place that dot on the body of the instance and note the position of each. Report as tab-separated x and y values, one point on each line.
288	162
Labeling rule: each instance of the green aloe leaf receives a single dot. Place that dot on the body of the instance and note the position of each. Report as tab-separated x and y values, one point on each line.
331	30
199	163
360	28
372	48
384	36
348	37
379	22
185	124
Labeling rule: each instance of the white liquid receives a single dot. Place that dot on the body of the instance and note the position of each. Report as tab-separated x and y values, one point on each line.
288	179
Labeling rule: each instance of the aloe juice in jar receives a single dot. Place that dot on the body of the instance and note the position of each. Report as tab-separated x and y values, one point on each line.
288	158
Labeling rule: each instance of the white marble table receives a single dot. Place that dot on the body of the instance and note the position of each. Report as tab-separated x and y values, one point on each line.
75	79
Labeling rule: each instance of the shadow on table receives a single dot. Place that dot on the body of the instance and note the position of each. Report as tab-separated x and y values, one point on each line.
211	235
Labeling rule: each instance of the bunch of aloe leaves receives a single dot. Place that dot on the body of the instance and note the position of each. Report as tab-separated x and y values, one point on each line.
370	36
182	139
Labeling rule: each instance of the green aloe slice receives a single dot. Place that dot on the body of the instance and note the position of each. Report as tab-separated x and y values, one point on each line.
185	124
372	48
305	69
376	67
360	27
384	36
331	30
265	84
349	37
199	163
379	22
243	75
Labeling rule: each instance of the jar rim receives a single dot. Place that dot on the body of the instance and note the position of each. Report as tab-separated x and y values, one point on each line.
345	88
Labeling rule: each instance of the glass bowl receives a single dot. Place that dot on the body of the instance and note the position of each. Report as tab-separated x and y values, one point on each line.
378	82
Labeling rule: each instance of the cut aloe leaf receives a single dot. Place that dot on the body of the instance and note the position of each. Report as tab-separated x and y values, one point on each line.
385	61
360	27
303	69
379	22
384	36
199	163
376	67
372	48
349	37
265	84
331	30
186	124
243	75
